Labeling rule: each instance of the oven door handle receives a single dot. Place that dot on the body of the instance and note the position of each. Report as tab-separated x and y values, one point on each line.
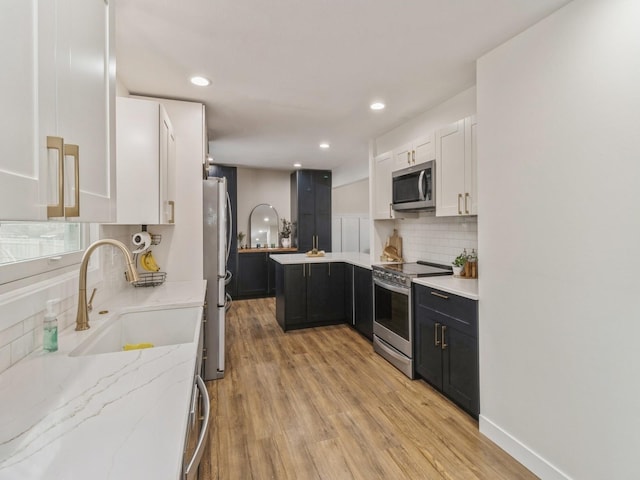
393	288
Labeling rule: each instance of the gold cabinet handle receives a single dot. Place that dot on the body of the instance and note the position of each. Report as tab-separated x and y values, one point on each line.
57	143
74	151
436	294
413	156
390	216
435	334
172	204
466	208
409	158
444	343
459	198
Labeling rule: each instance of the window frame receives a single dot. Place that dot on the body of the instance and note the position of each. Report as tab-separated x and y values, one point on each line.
23	271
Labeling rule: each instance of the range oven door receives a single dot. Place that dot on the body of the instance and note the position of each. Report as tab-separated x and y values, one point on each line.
392	316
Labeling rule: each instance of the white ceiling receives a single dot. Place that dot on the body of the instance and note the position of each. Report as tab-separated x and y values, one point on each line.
289	74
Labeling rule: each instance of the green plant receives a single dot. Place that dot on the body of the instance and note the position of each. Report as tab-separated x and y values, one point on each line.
241	236
460	260
285	231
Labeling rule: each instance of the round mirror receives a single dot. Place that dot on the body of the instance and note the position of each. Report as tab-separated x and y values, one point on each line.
263	226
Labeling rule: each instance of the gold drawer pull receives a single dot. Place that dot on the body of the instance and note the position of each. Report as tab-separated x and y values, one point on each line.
57	210
439	295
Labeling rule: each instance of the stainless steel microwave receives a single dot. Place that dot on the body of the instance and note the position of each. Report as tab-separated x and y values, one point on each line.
413	188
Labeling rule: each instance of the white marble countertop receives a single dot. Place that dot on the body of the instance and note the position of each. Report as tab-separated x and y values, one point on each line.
110	416
355	258
458	286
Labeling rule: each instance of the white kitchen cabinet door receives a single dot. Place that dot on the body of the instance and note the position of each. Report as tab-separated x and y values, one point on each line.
416	152
456	169
402	157
450	169
145	153
27	86
86	93
471	165
424	149
382	168
59	57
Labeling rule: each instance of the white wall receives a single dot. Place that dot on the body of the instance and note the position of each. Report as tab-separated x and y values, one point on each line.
559	227
256	186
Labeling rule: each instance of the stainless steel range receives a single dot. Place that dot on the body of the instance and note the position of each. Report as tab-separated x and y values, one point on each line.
393	310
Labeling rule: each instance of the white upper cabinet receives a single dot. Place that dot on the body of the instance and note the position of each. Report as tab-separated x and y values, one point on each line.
146	163
55	158
418	151
456	166
382	168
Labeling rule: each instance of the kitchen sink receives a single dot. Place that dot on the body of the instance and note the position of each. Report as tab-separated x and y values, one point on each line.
158	327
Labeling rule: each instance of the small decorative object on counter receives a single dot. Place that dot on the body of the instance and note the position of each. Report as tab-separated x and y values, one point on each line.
459	263
392	251
50	330
472	261
241	236
285	233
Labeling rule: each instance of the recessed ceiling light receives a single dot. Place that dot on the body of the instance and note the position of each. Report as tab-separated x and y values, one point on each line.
200	81
324	145
376	106
297	165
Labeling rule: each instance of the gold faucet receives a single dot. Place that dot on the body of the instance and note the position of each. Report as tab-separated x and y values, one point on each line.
82	319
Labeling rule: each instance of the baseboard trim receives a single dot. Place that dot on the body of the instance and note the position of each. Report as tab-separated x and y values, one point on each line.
527	457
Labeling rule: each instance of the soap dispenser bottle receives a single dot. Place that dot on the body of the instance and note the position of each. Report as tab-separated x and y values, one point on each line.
50	330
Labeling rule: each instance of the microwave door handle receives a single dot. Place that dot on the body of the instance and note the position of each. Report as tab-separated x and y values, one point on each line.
420	189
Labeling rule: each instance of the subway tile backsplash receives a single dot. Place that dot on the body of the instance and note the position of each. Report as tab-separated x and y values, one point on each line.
437	239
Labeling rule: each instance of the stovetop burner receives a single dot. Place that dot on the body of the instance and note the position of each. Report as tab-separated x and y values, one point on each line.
402	273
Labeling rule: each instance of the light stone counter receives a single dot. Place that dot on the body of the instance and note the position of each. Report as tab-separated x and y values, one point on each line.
110	416
355	258
458	286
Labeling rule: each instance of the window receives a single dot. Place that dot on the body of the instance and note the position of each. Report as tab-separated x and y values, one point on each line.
30	248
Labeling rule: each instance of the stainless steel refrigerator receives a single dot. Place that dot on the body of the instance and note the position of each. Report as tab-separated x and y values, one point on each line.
216	231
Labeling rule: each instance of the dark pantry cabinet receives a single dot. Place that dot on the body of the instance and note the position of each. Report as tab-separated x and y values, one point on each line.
446	346
310	294
311	209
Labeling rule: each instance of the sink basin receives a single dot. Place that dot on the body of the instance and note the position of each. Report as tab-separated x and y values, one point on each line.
160	327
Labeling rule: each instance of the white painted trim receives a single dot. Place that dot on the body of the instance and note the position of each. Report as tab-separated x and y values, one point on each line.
523	454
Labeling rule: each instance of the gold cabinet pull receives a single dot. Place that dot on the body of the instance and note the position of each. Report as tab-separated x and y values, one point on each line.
57	143
444	343
172	204
74	151
466	208
459	198
390	216
409	158
435	334
413	156
436	294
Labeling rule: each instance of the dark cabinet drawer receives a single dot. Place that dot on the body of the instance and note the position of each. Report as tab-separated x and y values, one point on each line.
460	310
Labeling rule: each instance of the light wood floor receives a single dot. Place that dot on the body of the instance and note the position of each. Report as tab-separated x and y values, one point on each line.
320	404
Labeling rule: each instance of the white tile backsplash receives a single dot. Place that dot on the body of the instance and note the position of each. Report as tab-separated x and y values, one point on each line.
437	239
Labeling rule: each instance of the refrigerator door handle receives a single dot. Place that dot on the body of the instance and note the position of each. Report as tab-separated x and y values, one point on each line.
229	226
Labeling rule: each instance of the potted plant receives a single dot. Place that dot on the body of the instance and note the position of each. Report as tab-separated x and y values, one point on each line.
241	236
459	262
285	233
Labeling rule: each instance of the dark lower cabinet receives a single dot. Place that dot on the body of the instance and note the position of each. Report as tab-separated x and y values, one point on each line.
446	345
310	294
256	275
363	301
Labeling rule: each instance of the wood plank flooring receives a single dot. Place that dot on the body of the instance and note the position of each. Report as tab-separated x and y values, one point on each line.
320	404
